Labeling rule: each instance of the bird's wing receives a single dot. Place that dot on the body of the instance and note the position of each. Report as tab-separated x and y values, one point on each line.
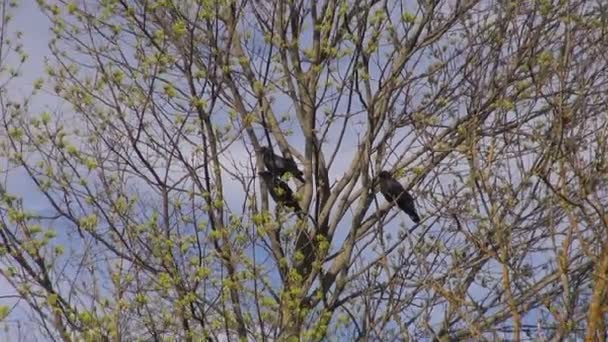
387	196
270	161
280	162
405	195
406	200
394	188
291	164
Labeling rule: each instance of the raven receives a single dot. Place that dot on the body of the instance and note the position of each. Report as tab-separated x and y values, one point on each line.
393	191
280	191
279	165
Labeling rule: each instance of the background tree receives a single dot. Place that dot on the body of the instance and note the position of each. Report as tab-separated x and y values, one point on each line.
492	114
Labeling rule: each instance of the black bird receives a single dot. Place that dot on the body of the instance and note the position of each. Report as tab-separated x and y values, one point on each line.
279	165
393	191
280	191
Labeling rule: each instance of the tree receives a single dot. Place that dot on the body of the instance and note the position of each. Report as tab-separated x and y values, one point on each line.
492	113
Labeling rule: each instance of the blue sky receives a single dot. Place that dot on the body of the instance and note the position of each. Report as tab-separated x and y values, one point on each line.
35	28
36	34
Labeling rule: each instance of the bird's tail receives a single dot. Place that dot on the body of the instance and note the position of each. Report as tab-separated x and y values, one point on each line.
414	216
300	176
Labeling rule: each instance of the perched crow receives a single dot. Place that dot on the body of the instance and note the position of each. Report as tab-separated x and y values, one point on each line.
280	191
393	191
279	165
